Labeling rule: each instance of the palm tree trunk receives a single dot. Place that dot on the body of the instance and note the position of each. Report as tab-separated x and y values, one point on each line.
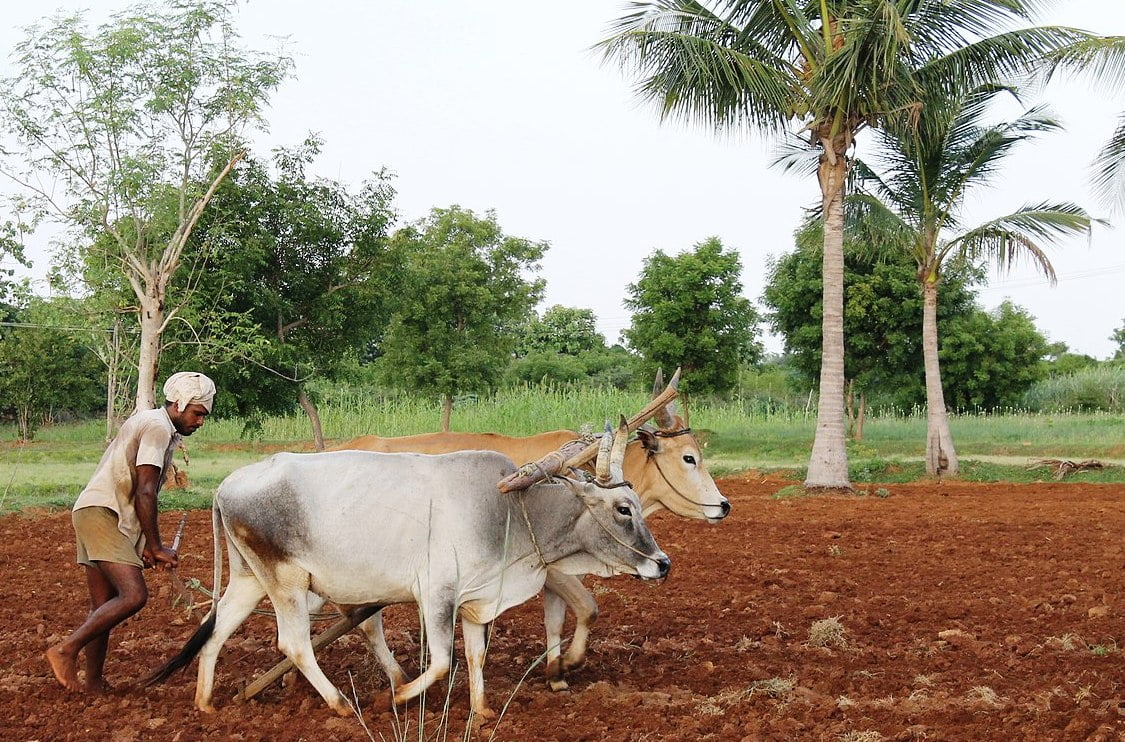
941	457
828	464
314	418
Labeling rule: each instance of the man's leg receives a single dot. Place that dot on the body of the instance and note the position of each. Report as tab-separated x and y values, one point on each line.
101	592
129	596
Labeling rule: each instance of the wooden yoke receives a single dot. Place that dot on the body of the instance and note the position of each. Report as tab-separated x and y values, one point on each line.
553	463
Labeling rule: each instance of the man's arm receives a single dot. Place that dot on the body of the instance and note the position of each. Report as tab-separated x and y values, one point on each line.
145	488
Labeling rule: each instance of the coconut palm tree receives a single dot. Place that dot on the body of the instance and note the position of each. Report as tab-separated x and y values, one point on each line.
910	197
828	68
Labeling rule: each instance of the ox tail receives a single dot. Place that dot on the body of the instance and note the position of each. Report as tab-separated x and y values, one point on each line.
207	628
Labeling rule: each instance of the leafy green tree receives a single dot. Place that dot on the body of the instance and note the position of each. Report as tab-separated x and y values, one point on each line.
11	254
564	346
459	304
302	266
688	312
115	129
570	331
882	316
912	195
827	69
45	370
994	358
1118	337
1061	362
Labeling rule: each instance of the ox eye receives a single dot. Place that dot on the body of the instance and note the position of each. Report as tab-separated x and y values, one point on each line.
624	510
689	459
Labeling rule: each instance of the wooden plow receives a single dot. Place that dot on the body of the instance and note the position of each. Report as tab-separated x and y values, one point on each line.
571	456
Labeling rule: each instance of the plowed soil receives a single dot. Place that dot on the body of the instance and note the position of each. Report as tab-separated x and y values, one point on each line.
926	611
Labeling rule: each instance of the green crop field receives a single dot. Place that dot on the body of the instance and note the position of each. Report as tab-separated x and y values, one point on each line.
49	471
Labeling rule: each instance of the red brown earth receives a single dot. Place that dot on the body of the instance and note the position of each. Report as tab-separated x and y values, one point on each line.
970	612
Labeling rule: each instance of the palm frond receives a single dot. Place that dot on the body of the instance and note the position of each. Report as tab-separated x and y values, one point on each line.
700	67
1022	235
1099	60
794	155
1109	171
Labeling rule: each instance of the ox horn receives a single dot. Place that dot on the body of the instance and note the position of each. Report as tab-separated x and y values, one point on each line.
666	416
658	385
603	468
617	453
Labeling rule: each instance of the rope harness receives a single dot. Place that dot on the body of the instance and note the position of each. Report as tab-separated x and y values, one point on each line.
573	486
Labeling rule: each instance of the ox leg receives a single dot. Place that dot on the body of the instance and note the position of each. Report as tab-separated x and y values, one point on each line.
475	648
290	603
372	628
315	604
242	595
437	622
578	599
554	615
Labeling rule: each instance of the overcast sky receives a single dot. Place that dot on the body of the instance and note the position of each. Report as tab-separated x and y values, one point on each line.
500	105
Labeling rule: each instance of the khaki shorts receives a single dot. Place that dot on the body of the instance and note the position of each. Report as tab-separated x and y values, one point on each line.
99	539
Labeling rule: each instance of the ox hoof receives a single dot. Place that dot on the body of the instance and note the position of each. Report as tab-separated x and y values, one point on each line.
485	713
557	684
343	709
205	708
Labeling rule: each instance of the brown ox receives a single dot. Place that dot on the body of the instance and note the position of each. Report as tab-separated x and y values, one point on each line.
665	466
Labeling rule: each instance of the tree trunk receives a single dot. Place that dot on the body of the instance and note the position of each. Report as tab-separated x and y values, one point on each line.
152	324
314	418
828	464
446	411
860	416
114	359
23	422
941	457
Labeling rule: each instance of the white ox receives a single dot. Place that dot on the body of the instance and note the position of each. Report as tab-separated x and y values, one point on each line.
665	467
366	530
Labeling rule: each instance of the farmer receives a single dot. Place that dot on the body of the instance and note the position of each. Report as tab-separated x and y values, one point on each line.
115	523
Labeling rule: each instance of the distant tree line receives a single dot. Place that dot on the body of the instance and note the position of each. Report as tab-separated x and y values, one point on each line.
186	249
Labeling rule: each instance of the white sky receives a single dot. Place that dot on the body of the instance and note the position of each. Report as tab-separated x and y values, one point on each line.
500	105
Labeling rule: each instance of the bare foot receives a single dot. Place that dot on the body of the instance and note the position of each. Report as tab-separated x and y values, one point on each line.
65	669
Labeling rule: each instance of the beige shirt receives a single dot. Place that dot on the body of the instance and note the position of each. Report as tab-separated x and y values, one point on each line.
145	438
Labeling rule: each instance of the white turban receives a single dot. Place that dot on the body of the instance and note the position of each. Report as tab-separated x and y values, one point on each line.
188	387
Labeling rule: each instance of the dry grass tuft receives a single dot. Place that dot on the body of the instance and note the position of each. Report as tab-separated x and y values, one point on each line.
985	695
828	632
866	736
777	688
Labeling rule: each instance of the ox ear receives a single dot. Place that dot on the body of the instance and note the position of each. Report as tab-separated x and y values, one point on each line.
648	439
602	468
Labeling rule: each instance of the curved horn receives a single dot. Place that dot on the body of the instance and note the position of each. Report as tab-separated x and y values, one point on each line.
602	468
617	453
666	416
658	385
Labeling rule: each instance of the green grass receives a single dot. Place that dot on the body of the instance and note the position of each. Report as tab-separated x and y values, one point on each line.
52	469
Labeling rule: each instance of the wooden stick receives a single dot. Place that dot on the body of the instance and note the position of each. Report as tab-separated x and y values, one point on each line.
520	481
329	635
182	593
636	421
